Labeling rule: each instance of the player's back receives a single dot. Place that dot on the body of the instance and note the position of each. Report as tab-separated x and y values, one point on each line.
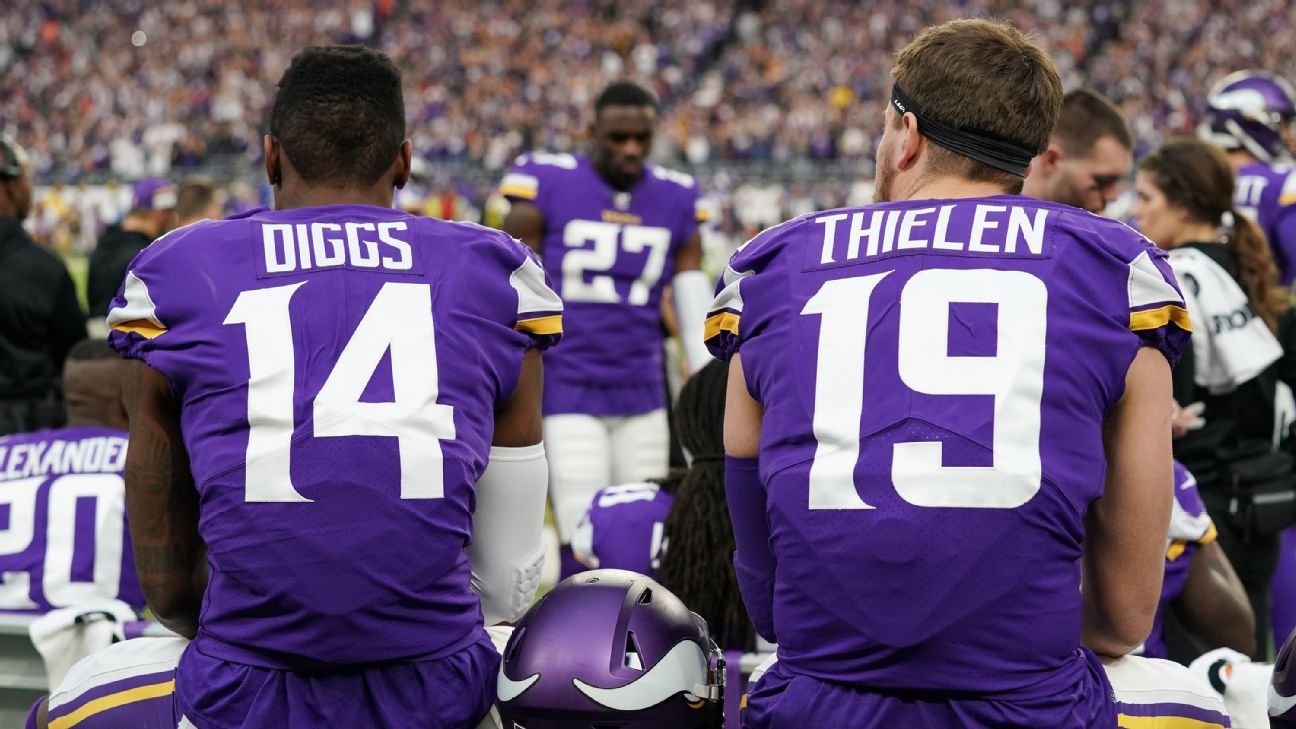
1267	194
338	370
935	375
624	528
64	540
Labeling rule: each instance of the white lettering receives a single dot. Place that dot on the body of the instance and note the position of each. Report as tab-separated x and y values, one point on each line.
857	232
366	258
406	260
35	452
304	245
71	457
328	251
941	239
888	240
277	238
1020	226
980	225
15	457
829	222
907	225
52	458
92	455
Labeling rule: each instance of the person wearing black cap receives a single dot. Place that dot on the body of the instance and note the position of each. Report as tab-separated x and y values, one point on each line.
152	214
40	318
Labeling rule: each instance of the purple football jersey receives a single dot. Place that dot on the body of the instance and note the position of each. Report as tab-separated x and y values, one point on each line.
1267	193
338	370
63	535
623	529
935	375
611	253
1190	528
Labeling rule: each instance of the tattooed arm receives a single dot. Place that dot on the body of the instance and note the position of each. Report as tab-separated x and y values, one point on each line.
162	503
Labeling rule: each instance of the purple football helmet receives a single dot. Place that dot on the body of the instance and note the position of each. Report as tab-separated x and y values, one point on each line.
1250	110
1282	689
611	648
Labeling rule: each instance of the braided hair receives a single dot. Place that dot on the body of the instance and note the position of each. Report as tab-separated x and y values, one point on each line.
698	561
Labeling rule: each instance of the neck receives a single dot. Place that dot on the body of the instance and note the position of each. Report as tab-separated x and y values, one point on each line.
298	195
1240	158
931	188
1197	233
135	224
78	418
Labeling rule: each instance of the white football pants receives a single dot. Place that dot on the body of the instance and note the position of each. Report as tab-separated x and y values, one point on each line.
587	453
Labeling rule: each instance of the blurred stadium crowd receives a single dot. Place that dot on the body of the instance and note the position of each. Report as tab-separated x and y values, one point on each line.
752	91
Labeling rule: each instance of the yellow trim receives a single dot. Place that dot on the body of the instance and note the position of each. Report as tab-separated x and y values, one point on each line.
742	703
1287	199
525	193
1162	722
541	325
112	701
1156	318
142	327
702	216
1210	535
1176	549
725	321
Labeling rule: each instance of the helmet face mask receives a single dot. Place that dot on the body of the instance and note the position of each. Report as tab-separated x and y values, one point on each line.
611	648
1252	111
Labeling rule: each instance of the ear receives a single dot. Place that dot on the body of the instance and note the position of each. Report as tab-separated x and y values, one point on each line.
404	164
1048	159
911	142
270	149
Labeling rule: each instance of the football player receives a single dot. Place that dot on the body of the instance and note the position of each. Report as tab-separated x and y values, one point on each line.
918	390
1200	585
335	434
614	229
677	531
1090	151
1250	115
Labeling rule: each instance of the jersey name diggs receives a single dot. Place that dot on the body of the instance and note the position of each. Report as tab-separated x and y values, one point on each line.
1006	230
294	247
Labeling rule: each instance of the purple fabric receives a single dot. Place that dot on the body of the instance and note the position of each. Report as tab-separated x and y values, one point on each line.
753	558
937	589
1268	194
623	521
1178	711
452	692
114	687
1284	586
69	465
1176	569
153	193
783	699
357	575
612	336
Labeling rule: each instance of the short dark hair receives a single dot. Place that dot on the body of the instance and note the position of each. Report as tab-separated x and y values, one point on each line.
984	76
339	114
194	196
88	350
625	93
1088	116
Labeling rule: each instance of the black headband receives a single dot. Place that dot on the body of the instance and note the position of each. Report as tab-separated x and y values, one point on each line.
998	153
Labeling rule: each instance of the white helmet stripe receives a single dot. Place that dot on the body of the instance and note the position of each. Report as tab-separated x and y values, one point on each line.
507	689
681	670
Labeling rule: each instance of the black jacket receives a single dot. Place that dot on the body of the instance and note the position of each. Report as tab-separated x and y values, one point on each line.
40	318
108	263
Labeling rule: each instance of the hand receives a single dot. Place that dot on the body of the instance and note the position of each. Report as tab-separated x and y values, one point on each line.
1187	418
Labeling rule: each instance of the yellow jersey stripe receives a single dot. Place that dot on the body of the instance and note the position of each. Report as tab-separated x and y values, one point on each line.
112	701
1155	318
541	325
1287	199
702	216
1161	722
725	321
1176	549
142	327
526	193
1211	535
